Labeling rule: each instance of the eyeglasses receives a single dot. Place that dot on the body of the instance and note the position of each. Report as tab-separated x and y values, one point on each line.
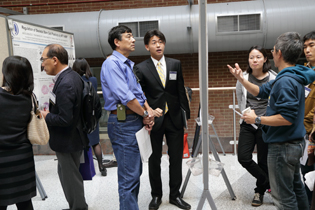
43	59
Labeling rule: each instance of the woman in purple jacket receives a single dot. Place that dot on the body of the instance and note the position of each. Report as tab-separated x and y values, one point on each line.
82	67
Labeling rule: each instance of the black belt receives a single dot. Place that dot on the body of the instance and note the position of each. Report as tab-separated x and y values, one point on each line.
128	111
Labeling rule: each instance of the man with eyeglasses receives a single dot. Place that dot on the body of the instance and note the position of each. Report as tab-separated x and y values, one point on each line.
63	121
129	112
283	128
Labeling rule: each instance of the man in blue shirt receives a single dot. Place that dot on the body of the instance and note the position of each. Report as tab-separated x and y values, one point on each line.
120	87
283	127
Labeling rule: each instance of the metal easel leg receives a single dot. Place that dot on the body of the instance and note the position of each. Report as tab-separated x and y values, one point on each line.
206	194
40	188
189	172
226	180
217	138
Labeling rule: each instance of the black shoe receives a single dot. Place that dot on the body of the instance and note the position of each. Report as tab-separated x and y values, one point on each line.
258	200
180	203
105	161
155	203
103	171
110	164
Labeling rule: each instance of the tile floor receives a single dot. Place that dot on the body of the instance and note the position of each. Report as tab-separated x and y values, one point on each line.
102	192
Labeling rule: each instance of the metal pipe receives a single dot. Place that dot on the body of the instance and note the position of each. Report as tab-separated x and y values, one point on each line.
197	89
203	84
53	3
234	123
216	88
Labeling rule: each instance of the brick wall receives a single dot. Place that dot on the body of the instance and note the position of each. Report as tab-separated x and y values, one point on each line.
95	6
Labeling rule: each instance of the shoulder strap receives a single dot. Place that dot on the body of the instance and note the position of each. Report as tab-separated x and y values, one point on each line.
34	102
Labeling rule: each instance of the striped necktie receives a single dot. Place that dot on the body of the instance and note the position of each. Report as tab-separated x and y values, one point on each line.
162	78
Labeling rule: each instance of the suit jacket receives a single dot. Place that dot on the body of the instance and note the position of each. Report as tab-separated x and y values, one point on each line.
64	120
173	93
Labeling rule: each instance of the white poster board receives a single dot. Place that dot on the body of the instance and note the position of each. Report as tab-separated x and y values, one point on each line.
4	43
29	41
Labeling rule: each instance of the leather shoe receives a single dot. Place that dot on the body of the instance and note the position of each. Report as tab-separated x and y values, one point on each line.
180	203
110	164
155	203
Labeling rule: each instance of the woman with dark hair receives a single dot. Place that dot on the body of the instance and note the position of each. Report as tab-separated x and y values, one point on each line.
258	72
82	67
17	170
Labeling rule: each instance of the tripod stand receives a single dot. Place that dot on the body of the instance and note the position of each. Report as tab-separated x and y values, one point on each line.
216	156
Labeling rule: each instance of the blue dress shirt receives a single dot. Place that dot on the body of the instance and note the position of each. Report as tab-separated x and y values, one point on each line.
119	84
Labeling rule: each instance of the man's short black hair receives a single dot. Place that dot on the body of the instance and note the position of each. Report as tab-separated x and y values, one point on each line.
153	33
56	50
309	36
115	33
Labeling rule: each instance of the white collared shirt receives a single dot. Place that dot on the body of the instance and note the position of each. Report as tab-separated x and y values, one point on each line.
57	75
163	64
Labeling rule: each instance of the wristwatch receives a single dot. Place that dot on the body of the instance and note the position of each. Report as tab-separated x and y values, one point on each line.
145	113
257	120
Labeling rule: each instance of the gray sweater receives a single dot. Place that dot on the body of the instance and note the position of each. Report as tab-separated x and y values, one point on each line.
241	92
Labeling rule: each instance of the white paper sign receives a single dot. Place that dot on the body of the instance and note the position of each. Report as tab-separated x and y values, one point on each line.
303	159
144	143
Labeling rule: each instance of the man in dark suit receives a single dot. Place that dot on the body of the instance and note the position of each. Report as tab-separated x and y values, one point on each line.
163	84
63	121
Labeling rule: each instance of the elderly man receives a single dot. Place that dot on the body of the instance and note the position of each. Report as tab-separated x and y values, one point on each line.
63	120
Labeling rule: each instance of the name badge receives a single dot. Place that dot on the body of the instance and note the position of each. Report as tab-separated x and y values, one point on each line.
173	75
307	91
52	98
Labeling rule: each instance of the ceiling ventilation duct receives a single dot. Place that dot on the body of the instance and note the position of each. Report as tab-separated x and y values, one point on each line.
231	26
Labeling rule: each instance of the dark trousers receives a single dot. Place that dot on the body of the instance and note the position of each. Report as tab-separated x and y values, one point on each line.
248	138
174	139
71	179
26	205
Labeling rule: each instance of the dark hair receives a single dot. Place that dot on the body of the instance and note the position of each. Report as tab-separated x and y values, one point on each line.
266	65
18	75
309	36
115	33
153	33
291	46
82	67
56	50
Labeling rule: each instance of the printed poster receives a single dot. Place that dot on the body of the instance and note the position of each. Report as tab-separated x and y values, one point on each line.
29	41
